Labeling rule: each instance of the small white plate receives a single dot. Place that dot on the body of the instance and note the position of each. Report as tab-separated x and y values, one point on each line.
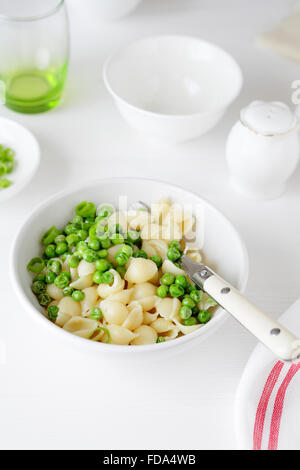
27	156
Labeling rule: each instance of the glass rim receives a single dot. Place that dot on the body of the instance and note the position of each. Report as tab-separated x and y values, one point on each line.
33	17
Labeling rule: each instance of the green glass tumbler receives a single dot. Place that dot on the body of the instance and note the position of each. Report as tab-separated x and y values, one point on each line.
34	52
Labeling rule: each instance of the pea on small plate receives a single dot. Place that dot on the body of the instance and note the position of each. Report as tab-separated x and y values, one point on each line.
26	157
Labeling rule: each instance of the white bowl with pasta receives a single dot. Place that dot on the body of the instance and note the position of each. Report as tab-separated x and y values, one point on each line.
216	239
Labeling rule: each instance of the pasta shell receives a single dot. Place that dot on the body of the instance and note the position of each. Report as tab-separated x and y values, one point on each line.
144	335
135	317
81	326
120	335
105	290
85	268
54	292
83	282
140	270
69	306
169	267
168	308
113	312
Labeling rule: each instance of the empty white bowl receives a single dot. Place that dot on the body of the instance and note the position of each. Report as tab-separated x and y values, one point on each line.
27	156
223	249
172	88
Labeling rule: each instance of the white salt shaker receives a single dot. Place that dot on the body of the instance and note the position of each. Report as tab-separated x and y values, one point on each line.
262	149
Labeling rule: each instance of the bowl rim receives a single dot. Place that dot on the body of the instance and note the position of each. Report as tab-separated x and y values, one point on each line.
117	97
97	346
17	187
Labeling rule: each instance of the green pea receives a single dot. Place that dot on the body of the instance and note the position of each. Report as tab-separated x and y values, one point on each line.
203	316
94	244
78	254
167	279
162	291
89	255
97	277
81	246
38	287
190	287
173	254
103	265
3	169
106	243
5	183
65	255
107	277
189	321
50	251
175	244
67	291
130	244
68	229
121	259
72	239
140	254
117	238
126	250
188	302
59	239
62	280
87	224
53	312
157	260
61	248
134	236
92	232
86	209
82	234
54	266
73	229
182	281
78	221
121	270
161	339
96	314
78	295
185	312
105	210
36	265
101	229
195	311
44	299
103	254
196	295
176	290
100	218
50	277
73	261
40	277
50	235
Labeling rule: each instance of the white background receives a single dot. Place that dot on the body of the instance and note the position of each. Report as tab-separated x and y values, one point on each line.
52	396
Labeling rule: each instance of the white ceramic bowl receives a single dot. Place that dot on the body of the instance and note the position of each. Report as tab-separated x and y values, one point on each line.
172	88
113	9
223	249
27	156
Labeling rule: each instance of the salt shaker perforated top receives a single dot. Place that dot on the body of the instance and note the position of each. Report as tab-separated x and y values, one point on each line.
262	149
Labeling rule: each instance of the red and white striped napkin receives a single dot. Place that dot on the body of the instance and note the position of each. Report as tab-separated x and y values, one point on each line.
267	408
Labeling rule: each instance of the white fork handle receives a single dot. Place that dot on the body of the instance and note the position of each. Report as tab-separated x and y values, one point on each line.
271	333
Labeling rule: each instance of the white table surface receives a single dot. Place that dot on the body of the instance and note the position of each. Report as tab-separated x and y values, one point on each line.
52	396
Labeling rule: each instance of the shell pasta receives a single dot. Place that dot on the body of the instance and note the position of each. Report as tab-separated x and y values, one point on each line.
116	277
